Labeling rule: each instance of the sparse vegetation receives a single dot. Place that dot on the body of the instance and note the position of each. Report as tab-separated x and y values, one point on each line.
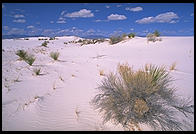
131	35
26	38
54	55
52	38
131	98
173	66
22	54
115	39
45	43
156	33
30	59
37	71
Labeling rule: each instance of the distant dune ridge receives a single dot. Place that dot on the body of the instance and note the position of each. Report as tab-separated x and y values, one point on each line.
58	97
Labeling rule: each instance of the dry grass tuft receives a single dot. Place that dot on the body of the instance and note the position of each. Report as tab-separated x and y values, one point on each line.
173	66
101	72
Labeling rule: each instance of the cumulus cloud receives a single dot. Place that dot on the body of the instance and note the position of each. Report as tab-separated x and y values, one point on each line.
18	16
116	17
61	20
20	21
84	13
135	9
63	12
51	21
16	31
30	27
168	17
107	6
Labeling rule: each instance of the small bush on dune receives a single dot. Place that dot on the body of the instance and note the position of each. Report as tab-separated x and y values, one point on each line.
45	43
30	59
54	55
22	54
138	97
131	35
156	33
115	39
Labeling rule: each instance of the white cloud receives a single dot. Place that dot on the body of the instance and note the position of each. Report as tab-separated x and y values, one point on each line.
5	27
62	13
51	21
132	29
30	27
18	16
20	21
135	9
82	13
167	17
60	21
107	6
16	31
116	17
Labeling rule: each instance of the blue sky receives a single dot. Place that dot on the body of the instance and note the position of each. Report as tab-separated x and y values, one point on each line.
106	19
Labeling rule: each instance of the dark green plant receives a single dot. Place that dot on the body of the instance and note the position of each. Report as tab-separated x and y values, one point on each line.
131	98
131	35
22	54
115	39
54	55
30	59
156	33
45	43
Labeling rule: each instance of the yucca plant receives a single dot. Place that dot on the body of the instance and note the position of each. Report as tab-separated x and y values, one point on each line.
22	54
54	55
131	98
30	59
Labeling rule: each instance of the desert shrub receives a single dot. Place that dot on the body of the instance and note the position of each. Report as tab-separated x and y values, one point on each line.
79	41
156	33
54	55
138	97
131	35
22	54
30	59
52	38
151	37
26	39
115	39
37	71
45	43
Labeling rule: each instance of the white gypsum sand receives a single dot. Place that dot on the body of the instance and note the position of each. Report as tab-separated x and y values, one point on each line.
58	99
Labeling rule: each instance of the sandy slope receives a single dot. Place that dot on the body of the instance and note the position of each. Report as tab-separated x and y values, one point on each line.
59	99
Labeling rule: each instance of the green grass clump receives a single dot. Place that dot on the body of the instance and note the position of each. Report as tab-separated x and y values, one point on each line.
30	59
115	39
131	98
54	55
131	35
22	54
45	43
156	33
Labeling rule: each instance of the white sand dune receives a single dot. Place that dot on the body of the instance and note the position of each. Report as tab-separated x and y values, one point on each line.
59	98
